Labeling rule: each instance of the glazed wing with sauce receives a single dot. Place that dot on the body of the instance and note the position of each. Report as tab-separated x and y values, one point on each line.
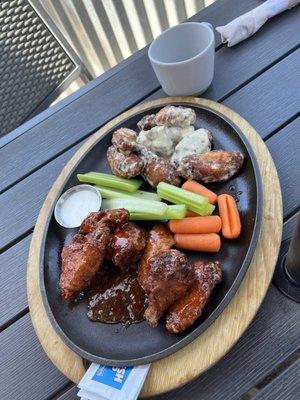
170	276
126	245
188	308
81	260
159	239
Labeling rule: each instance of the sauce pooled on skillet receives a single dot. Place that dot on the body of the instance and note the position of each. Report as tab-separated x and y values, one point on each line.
116	297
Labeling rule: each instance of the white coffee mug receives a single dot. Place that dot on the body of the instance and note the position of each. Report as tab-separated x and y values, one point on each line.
183	58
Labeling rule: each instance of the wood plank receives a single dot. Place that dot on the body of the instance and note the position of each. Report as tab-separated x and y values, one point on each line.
284	147
272	98
70	394
25	370
237	65
13	299
71	125
285	387
289	226
22	202
134	81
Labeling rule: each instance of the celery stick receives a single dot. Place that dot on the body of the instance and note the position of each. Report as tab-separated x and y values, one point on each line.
201	207
203	210
176	212
137	206
112	181
207	209
135	216
172	212
108	193
180	196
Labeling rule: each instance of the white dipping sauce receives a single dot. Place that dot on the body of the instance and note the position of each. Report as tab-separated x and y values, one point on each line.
75	206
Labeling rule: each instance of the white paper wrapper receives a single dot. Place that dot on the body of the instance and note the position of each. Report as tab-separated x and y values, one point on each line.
247	24
106	383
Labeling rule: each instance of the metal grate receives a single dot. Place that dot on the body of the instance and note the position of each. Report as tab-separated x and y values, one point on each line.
32	63
104	32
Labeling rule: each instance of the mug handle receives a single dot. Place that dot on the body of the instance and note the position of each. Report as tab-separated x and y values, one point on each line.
208	25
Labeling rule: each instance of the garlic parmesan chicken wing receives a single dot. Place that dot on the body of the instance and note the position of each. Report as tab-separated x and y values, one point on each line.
157	169
147	122
188	308
81	260
122	156
214	166
175	116
159	240
122	165
124	140
170	275
195	142
126	245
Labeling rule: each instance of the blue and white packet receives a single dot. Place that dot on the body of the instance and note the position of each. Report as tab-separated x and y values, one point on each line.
106	383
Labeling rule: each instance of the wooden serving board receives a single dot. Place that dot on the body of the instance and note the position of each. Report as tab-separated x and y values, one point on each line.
189	362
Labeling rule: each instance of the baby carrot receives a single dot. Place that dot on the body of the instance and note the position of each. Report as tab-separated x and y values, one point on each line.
195	187
209	224
209	242
231	223
191	214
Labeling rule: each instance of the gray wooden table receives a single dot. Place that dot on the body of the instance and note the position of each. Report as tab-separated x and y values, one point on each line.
260	79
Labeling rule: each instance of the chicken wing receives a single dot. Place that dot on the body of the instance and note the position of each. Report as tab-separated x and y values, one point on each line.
157	169
170	276
122	165
214	166
126	245
189	307
147	122
175	116
195	142
81	260
161	140
124	140
159	240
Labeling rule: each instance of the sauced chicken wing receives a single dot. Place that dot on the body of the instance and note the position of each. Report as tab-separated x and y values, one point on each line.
189	307
170	276
122	165
127	245
175	116
214	166
159	240
124	140
81	260
157	169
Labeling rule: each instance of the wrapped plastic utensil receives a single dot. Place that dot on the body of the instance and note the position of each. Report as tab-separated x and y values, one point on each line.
247	24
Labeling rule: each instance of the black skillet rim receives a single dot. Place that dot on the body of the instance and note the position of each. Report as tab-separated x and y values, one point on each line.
218	310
